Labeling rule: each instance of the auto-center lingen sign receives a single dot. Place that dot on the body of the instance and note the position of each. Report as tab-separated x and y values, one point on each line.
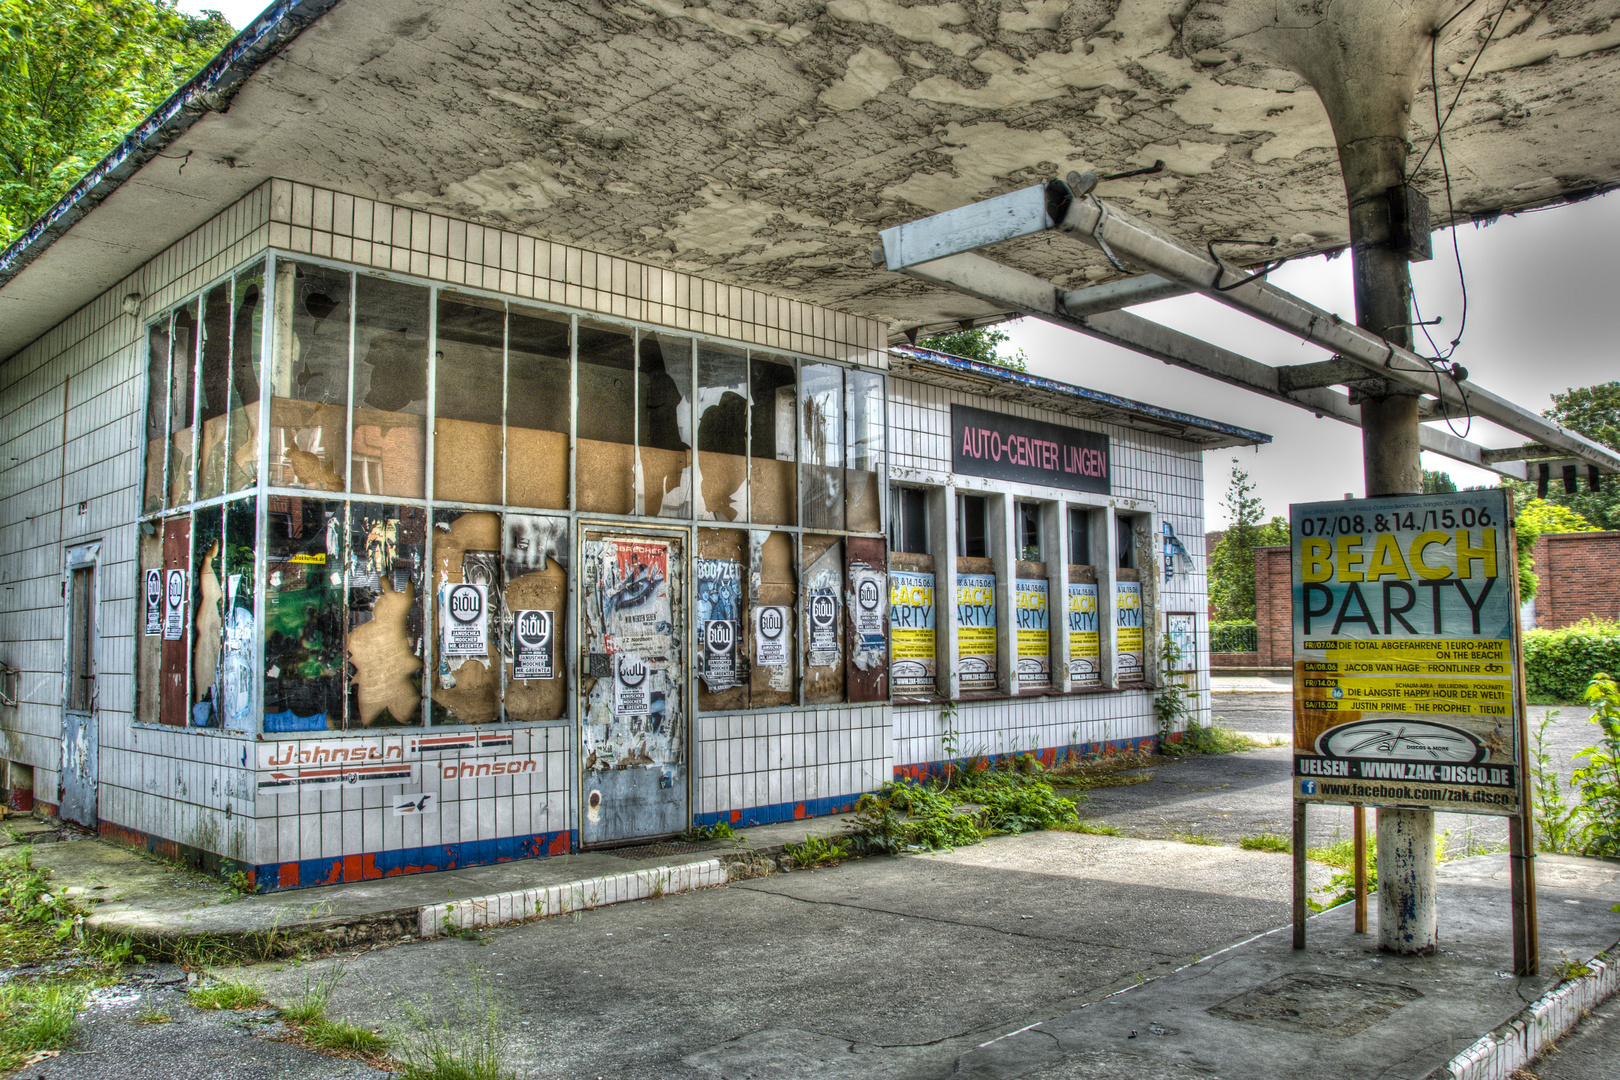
1405	653
1027	451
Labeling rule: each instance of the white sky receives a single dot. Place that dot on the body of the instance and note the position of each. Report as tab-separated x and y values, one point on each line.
1540	288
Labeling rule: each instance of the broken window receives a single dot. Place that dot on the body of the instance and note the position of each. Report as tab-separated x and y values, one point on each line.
390	387
207	616
303	615
1079	536
467	574
908	520
309	380
214	391
538	374
1029	531
605	449
468	377
972	527
384	624
823	606
664	423
533	611
773	594
157	412
183	357
722	437
1126	540
236	680
822	442
773	441
721	581
863	416
149	633
175	628
242	453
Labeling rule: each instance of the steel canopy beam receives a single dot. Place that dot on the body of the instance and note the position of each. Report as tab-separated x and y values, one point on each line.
1027	294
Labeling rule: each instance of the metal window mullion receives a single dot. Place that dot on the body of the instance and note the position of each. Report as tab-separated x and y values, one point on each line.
348	407
430	610
500	626
196	397
695	473
261	510
748	437
638	500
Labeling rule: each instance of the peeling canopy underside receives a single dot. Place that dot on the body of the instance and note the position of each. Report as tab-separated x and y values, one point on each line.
766	144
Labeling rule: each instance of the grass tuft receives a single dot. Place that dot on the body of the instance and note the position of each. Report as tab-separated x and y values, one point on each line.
465	1045
1090	828
1267	842
37	1016
342	1036
225	994
1198	838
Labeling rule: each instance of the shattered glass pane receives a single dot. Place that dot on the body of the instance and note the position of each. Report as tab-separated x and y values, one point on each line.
157	413
664	387
390	388
213	391
303	615
822	443
247	333
183	357
722	433
309	380
468	377
863	415
538	371
607	419
385	624
773	441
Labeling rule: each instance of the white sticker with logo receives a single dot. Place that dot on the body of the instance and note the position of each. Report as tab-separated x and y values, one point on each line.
632	686
462	614
418	804
770	636
534	654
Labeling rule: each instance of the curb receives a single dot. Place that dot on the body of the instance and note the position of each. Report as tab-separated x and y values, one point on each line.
1498	1055
435	920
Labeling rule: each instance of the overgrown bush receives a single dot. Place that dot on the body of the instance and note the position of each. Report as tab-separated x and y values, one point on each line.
978	801
1233	637
1558	664
1587	820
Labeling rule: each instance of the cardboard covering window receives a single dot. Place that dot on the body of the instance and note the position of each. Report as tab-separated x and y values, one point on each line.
538	400
605	450
385	618
182	362
469	377
389	442
247	344
866	593
821	603
309	377
175	648
157	413
534	586
772	626
773	440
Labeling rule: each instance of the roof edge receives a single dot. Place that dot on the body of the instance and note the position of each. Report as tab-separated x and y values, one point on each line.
210	90
980	369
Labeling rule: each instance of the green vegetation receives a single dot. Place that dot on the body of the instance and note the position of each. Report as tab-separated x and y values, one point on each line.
981	344
75	77
1560	664
971	802
1267	842
224	994
465	1044
1231	564
720	830
1201	839
1594	411
815	851
1586	820
1215	738
1231	637
1090	828
35	1016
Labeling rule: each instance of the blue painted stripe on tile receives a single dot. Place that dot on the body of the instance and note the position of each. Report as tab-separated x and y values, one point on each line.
1048	756
787	811
372	865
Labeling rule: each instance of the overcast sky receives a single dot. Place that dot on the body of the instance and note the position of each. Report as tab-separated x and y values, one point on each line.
1540	289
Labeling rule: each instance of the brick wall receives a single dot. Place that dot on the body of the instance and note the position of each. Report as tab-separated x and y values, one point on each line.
1580	577
1273	610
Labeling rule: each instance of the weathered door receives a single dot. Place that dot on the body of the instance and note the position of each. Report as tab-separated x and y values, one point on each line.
77	791
633	747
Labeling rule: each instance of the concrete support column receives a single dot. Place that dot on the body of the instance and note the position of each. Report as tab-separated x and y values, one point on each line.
1406	908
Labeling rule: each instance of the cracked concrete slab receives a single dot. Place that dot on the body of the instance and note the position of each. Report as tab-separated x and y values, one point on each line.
765	144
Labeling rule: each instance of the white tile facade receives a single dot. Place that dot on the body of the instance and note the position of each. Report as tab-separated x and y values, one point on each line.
71	406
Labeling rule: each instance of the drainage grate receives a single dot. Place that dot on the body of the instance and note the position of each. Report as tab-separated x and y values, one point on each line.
660	849
1316	1004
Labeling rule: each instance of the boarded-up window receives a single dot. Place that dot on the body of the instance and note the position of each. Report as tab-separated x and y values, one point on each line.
822	602
390	388
863	418
534	614
175	625
157	413
721	574
303	616
149	625
664	424
722	437
385	626
866	592
822	444
773	441
468	378
467	574
182	360
309	381
214	391
772	628
607	420
538	373
247	334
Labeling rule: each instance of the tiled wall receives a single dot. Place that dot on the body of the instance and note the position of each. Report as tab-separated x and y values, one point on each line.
1046	725
69	474
337	226
777	766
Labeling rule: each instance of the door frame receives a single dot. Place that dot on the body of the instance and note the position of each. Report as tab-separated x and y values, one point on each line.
686	535
80	557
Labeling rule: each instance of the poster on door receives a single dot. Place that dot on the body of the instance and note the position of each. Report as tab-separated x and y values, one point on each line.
174	605
632	686
719	608
534	651
1085	640
1128	625
976	631
1034	634
154	602
635	598
911	632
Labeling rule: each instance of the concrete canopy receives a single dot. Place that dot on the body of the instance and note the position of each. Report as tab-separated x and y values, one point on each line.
766	143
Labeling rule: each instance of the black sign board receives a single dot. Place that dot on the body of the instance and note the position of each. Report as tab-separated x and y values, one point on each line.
1027	451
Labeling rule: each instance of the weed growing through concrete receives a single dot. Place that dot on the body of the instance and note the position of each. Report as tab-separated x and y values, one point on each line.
1090	828
1267	842
971	801
815	851
720	830
37	1016
225	994
1201	839
466	1044
1568	967
152	1014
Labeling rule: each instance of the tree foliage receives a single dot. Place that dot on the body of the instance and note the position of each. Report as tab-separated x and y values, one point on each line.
1437	483
1594	411
75	77
1231	564
981	344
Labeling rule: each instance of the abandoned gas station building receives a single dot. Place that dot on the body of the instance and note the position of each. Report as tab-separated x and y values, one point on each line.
347	538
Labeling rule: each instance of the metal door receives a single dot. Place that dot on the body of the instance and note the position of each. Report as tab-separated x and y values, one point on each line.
633	736
76	794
